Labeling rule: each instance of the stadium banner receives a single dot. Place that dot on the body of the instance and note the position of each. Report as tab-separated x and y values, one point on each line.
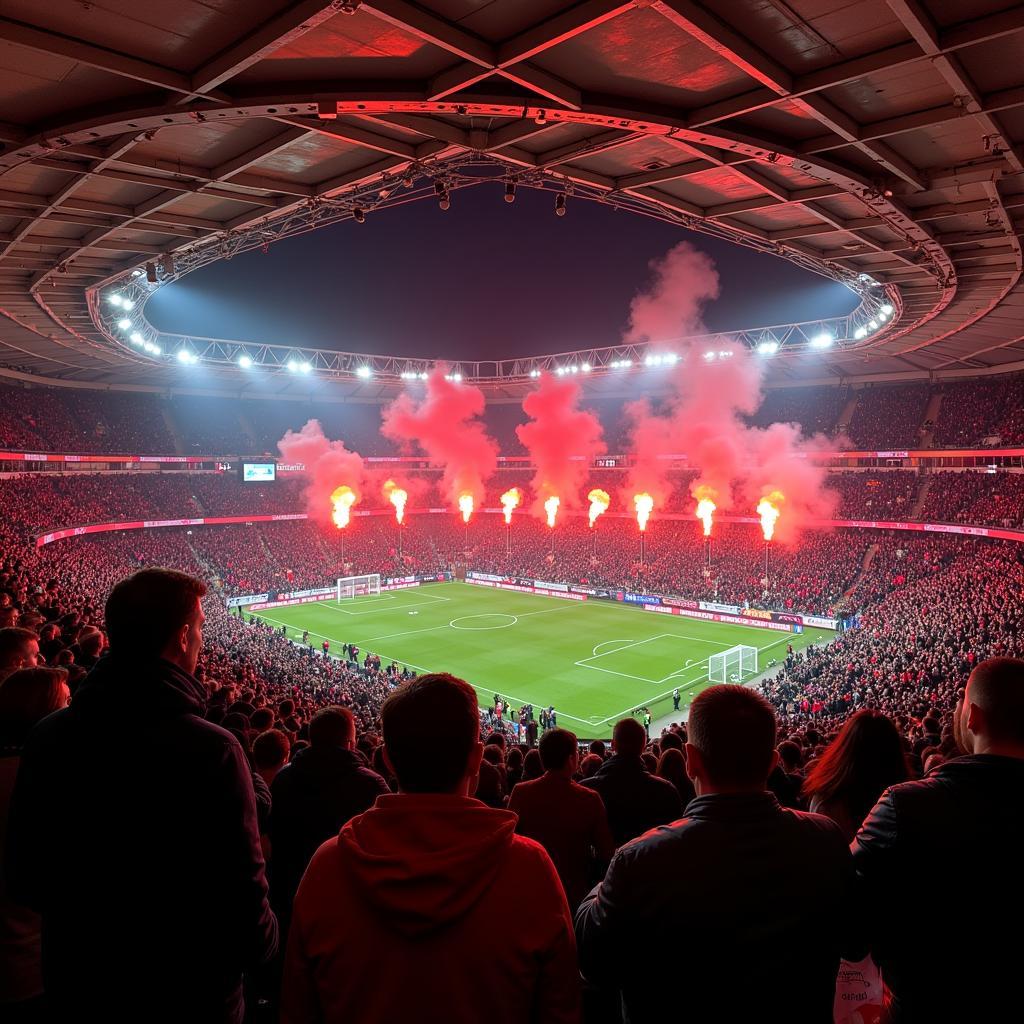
590	591
783	627
285	601
624	595
472	574
725	609
52	457
819	621
763	614
400	585
522	589
236	602
680	602
544	585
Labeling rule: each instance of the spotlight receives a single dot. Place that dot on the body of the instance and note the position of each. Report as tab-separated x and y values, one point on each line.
510	191
363	372
187	357
305	367
245	361
457	377
293	365
124	323
136	338
822	340
127	304
151	273
136	272
887	309
585	367
574	369
860	333
115	300
768	348
882	315
725	354
535	373
560	370
671	358
358	215
560	204
423	376
445	203
872	325
710	356
441	191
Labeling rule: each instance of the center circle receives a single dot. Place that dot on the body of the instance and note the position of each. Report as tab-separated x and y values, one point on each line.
513	619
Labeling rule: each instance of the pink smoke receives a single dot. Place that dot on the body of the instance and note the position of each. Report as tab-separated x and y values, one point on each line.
684	280
329	464
562	439
446	426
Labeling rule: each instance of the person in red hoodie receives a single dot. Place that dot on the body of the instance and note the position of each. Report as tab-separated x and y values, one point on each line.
405	915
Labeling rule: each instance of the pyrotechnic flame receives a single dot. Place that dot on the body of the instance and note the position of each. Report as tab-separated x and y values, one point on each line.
466	506
397	497
705	506
510	500
343	498
551	507
644	504
599	502
768	508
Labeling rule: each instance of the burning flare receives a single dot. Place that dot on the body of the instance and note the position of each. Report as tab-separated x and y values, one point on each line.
705	506
768	508
397	497
644	504
466	506
551	507
599	502
343	498
510	500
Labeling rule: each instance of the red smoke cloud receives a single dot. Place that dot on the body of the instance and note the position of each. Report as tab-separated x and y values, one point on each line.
445	425
563	440
702	416
329	464
684	279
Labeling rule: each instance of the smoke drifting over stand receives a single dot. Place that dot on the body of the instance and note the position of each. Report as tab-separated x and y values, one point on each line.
329	465
445	425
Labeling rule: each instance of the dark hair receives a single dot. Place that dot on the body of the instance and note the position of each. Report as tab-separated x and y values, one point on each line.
997	687
12	640
597	747
495	739
589	765
864	760
145	611
671	741
262	719
790	754
28	695
431	725
533	767
734	729
270	749
556	749
333	726
629	737
672	768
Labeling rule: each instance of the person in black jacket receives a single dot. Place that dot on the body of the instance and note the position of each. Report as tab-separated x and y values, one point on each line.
634	799
959	831
708	901
133	832
319	791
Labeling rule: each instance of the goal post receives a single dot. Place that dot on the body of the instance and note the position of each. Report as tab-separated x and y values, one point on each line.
358	586
734	665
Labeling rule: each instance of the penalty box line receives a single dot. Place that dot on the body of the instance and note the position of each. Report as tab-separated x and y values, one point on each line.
683	686
390	597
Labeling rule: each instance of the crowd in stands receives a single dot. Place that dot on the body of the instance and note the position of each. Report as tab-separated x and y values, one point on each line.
993	499
986	407
875	495
888	417
817	410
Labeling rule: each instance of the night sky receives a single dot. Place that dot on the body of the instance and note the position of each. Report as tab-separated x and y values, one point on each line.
486	279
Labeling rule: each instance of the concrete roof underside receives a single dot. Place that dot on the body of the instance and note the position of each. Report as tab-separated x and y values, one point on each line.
883	137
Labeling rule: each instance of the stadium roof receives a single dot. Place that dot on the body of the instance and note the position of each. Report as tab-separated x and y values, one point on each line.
882	138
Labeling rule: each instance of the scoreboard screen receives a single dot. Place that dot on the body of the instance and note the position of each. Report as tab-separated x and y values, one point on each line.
259	472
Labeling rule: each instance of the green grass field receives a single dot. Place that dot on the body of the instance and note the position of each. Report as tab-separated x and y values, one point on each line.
594	660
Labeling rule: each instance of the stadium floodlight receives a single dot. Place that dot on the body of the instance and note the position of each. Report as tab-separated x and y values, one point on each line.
585	367
574	369
872	325
363	372
136	272
293	365
305	366
187	357
560	370
136	338
535	374
457	377
709	356
860	333
127	304
822	340
124	323
670	358
768	348
725	353
887	309
115	299
423	376
245	361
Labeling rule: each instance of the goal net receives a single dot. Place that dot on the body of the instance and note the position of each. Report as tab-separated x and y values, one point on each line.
358	586
733	665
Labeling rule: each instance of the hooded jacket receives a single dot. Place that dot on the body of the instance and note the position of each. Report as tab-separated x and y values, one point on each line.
133	833
429	908
635	800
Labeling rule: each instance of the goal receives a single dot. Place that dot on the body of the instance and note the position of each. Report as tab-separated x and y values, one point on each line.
733	665
358	586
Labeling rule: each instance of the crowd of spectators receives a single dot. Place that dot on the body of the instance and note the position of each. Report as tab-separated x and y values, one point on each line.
816	409
985	407
992	499
888	417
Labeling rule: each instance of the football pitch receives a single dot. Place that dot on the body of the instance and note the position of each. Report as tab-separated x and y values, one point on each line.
595	661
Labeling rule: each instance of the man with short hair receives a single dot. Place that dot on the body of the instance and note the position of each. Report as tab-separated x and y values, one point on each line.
568	820
133	829
959	830
708	901
325	785
405	916
634	799
19	648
